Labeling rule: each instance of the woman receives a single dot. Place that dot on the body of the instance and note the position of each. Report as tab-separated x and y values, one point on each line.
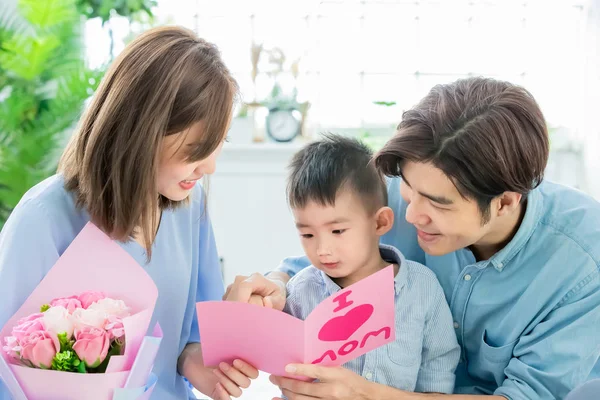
154	128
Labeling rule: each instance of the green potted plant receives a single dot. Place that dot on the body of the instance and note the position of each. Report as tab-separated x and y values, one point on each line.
44	83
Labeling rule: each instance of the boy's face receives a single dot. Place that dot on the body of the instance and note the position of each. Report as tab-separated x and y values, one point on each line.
341	239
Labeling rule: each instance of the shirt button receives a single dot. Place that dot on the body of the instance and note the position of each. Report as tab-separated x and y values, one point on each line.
369	375
467	277
456	325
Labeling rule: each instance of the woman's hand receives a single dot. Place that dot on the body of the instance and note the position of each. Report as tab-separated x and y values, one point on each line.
257	289
219	383
334	383
232	378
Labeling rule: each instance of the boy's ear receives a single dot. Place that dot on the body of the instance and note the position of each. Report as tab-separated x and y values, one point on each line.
384	218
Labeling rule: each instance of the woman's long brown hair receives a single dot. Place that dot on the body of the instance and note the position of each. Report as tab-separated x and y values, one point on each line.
163	82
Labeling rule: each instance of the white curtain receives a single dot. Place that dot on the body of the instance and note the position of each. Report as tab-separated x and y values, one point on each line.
591	105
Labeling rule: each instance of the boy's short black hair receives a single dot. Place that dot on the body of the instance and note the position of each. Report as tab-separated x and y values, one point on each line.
324	167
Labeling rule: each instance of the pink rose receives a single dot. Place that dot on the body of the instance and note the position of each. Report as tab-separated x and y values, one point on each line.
91	345
27	325
39	348
70	303
115	328
89	298
12	347
31	317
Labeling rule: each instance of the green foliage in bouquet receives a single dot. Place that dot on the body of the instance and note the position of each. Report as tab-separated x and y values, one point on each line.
66	359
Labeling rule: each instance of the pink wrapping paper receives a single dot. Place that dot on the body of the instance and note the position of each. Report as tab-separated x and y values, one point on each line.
93	262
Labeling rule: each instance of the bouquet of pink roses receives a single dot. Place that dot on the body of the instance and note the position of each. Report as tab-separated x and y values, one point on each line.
82	333
75	334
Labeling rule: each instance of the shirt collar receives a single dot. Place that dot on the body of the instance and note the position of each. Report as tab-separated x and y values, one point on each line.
533	214
388	253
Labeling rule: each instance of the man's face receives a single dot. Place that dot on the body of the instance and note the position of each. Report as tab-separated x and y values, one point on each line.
445	221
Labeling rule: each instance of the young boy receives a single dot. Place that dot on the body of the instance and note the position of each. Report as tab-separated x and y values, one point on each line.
339	202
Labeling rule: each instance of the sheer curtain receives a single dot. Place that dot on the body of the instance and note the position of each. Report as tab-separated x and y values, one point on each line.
591	105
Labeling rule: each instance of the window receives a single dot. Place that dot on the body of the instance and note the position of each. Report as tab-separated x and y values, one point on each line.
354	53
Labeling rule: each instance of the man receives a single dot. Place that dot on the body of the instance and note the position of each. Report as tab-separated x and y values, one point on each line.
518	257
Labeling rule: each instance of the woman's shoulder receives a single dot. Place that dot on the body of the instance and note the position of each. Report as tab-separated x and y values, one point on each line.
48	207
51	189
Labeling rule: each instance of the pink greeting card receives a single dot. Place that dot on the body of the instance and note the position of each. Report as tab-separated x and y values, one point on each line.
346	325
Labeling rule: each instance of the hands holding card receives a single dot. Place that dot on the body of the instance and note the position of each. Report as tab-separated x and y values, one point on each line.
343	327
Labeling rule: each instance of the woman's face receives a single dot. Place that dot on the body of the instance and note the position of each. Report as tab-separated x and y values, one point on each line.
177	176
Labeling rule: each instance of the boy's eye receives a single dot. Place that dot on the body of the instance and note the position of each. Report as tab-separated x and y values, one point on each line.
338	231
306	235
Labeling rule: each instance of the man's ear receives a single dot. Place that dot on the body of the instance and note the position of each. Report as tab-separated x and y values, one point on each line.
507	203
384	218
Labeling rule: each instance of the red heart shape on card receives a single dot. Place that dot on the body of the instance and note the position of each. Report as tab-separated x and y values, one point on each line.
342	328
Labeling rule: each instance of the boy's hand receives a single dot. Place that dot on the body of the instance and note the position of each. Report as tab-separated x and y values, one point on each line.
232	378
334	383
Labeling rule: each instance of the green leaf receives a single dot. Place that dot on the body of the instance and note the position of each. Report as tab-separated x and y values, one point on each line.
48	13
12	21
26	57
66	361
385	103
48	83
114	350
81	368
44	308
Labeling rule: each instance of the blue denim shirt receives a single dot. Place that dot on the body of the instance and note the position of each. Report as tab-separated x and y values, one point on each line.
528	319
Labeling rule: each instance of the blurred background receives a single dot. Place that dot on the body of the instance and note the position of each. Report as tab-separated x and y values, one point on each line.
304	67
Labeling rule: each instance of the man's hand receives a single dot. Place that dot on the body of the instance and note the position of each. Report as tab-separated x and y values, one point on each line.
334	383
259	290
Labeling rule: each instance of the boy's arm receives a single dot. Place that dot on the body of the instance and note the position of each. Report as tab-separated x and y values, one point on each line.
293	304
291	266
441	351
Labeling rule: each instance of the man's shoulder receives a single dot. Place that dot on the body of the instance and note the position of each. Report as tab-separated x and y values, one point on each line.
572	218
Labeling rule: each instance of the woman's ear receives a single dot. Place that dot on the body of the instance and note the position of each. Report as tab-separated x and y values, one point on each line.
384	218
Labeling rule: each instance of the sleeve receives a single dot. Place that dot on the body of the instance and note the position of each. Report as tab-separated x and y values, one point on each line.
293	265
28	250
210	280
293	306
441	351
561	351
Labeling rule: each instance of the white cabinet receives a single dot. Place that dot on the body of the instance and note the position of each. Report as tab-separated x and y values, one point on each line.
253	225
